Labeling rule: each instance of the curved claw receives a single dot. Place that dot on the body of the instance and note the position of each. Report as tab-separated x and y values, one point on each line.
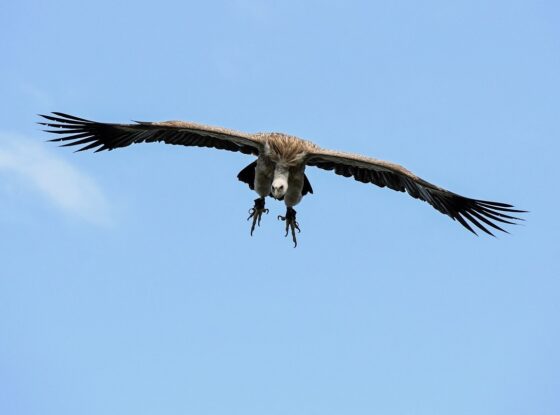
291	224
253	212
256	213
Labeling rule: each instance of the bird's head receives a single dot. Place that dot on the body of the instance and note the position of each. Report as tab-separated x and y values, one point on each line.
279	188
280	182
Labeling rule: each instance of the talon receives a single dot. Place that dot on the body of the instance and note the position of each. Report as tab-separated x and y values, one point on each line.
251	213
291	224
256	213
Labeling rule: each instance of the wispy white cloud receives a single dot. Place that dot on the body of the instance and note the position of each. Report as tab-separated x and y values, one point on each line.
61	183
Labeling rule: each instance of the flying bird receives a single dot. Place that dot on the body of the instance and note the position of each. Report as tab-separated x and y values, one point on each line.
279	170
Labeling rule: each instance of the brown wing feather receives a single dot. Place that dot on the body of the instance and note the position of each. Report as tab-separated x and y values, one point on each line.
105	136
480	213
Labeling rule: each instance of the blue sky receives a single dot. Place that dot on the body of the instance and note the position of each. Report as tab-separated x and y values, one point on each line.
129	282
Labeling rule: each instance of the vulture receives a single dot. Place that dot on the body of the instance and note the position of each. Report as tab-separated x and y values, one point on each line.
279	170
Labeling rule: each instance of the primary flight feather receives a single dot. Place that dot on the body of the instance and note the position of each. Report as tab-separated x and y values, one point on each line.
279	169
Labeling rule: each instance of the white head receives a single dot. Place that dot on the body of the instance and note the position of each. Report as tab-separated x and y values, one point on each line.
280	182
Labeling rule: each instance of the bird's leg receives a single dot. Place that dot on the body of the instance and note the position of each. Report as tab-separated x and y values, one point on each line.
291	223
256	213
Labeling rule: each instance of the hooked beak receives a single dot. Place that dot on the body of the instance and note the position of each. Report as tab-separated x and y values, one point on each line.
278	192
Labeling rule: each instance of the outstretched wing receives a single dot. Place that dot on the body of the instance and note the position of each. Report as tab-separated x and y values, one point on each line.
480	213
104	136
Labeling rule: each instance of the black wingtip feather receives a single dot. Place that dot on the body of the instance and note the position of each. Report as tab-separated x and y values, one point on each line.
62	120
71	117
476	211
482	214
465	224
480	226
486	221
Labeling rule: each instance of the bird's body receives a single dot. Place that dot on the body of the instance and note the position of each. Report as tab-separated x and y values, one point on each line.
283	160
279	170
